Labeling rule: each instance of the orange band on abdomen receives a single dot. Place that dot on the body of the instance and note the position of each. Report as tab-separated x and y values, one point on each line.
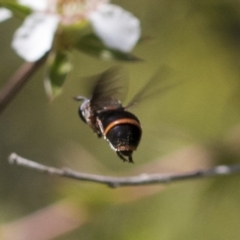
121	121
126	148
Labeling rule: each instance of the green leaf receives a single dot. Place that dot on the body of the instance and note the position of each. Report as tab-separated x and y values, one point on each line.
92	45
18	10
58	68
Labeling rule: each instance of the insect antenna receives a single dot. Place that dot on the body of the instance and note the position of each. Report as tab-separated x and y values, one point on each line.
79	98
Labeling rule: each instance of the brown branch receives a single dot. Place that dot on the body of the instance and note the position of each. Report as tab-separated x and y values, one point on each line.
114	182
17	81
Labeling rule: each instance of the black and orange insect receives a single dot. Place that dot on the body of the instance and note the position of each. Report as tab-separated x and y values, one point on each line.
106	115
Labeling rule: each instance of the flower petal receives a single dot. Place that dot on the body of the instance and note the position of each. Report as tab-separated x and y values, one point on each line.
39	5
5	14
117	28
34	38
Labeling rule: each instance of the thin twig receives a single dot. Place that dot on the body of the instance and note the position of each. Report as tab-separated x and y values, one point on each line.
114	182
17	81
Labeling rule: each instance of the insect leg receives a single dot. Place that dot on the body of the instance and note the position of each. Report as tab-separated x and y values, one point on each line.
120	155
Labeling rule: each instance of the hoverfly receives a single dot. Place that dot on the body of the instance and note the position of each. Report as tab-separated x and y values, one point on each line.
108	118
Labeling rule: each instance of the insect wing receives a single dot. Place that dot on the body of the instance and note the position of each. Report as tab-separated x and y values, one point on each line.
159	83
109	88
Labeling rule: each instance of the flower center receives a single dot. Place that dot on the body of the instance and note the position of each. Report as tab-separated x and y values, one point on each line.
73	11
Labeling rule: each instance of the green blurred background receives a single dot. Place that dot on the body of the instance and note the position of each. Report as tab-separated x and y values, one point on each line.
195	125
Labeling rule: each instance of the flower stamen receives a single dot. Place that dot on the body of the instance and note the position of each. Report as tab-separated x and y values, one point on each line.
72	11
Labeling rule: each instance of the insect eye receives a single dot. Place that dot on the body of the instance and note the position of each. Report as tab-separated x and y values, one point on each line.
80	112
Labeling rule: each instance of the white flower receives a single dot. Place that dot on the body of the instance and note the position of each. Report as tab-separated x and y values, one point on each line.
35	37
117	28
5	14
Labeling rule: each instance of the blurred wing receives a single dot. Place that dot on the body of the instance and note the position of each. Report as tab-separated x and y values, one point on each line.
108	89
160	83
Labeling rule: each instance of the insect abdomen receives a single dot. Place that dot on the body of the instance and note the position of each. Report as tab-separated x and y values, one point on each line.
124	137
122	129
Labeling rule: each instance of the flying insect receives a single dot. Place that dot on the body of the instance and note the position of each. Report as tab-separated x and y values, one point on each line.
106	115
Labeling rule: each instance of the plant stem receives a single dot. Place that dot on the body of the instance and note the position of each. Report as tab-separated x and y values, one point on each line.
114	182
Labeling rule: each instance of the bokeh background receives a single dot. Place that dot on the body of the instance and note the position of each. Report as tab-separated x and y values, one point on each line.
195	125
